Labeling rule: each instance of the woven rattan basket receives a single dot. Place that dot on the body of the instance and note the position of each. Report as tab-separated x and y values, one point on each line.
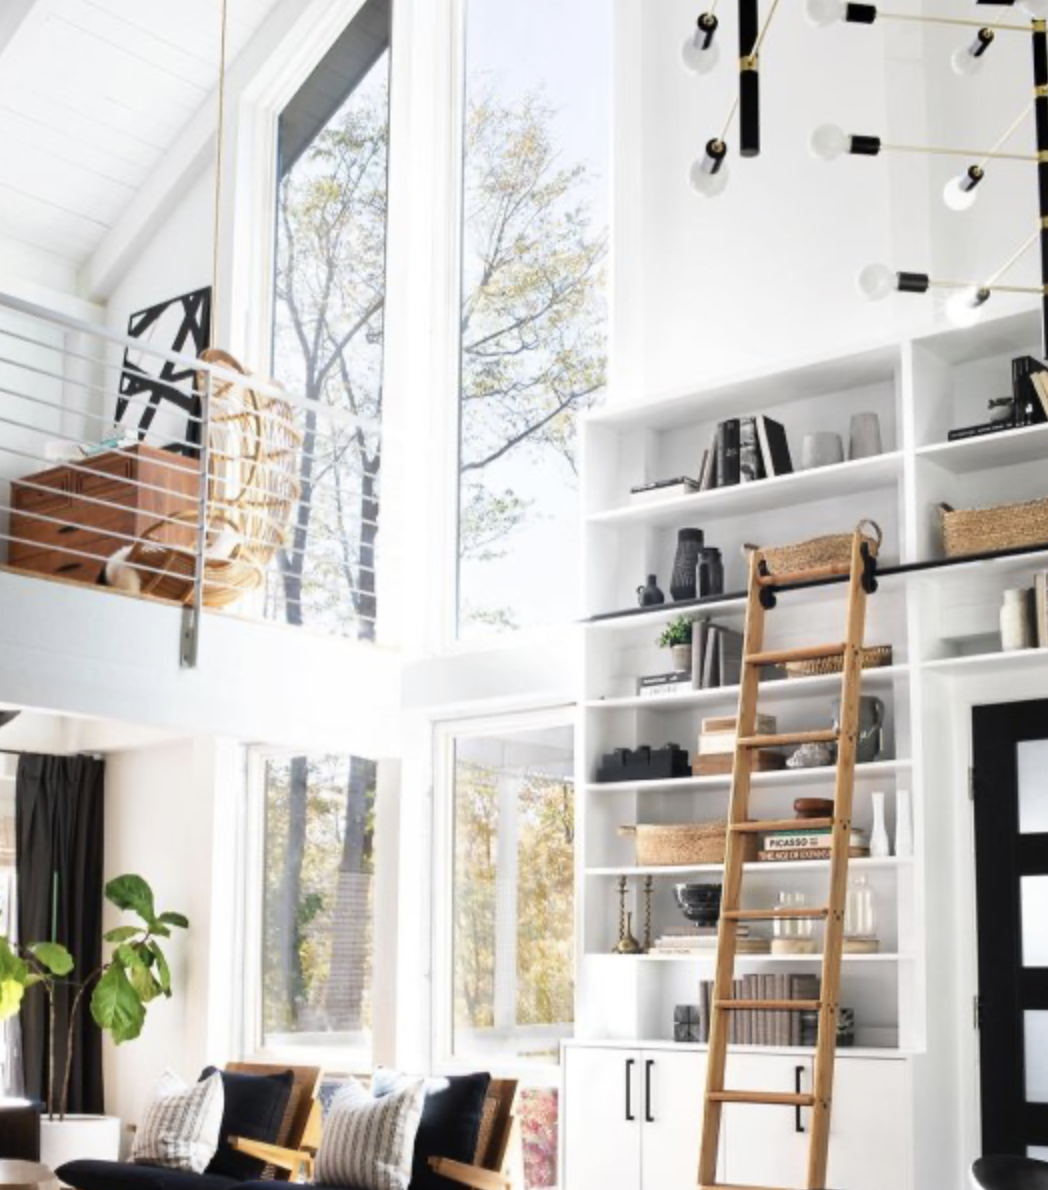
981	530
875	657
819	551
690	843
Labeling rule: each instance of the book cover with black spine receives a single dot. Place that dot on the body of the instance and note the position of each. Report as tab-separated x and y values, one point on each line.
750	463
728	453
775	447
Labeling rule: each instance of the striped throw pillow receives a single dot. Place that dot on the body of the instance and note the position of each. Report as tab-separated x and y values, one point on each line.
368	1143
182	1125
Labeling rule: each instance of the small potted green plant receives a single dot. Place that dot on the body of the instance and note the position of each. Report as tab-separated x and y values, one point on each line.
676	637
117	993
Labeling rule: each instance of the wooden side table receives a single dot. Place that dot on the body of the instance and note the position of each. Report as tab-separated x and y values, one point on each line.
71	518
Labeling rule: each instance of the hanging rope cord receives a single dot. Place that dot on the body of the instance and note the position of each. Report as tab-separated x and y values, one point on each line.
219	139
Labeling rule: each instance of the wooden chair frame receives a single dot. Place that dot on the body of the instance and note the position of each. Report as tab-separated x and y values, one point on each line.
500	1168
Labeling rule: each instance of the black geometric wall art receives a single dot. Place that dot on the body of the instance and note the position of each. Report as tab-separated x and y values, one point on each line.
150	387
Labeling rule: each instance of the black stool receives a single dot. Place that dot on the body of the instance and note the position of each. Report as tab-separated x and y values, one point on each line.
1009	1173
19	1130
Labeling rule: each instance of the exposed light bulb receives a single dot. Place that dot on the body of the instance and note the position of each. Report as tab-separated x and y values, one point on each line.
824	13
705	181
697	56
960	193
965	307
877	281
828	142
1038	9
964	62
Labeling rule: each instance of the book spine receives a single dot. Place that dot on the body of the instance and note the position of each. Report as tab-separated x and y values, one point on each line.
749	451
1041	605
728	453
704	1011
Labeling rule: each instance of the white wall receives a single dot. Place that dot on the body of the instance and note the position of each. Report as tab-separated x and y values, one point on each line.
176	260
166	820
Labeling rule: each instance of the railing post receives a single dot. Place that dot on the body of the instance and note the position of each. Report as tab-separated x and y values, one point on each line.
192	612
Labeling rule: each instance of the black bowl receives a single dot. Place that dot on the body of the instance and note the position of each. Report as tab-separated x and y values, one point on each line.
700	903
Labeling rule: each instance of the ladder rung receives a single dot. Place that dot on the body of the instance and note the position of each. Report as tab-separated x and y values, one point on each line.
772	1098
805	653
831	570
771	1005
734	1186
781	824
828	736
774	914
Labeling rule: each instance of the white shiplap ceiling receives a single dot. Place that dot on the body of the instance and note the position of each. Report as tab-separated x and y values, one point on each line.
93	93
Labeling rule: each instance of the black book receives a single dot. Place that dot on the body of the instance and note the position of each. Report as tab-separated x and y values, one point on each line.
987	427
775	448
750	463
728	453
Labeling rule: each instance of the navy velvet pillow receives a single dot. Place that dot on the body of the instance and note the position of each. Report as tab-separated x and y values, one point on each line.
255	1105
450	1122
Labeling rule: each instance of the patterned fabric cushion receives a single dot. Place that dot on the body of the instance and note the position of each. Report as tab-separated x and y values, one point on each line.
368	1143
182	1125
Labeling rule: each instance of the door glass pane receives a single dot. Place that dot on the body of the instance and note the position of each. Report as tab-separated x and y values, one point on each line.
1032	760
1035	1034
1033	892
514	811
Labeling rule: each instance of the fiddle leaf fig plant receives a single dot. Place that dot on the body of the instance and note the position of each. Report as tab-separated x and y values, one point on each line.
135	973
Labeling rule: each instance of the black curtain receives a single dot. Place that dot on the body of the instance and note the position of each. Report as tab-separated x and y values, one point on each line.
59	825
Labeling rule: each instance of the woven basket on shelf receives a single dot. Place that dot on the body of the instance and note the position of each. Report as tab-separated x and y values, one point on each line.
981	530
875	657
819	551
691	843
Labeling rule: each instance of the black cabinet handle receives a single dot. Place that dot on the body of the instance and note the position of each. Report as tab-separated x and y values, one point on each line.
629	1088
798	1122
648	1117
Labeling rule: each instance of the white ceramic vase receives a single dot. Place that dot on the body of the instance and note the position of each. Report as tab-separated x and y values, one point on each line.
95	1138
903	824
880	848
1016	623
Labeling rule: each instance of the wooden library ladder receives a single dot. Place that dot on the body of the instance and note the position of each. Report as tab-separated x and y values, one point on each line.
861	574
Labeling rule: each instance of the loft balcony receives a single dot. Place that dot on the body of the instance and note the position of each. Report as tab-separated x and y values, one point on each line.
179	536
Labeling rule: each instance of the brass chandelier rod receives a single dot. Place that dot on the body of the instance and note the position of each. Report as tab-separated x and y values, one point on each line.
955	22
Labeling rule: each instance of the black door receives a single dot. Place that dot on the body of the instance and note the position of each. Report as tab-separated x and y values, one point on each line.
1011	863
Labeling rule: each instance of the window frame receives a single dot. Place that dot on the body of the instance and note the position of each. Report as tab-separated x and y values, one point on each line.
442	930
333	1058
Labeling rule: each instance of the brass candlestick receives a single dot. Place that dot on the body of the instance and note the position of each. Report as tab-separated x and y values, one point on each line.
649	888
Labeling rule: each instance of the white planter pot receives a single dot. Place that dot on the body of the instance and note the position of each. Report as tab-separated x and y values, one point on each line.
96	1138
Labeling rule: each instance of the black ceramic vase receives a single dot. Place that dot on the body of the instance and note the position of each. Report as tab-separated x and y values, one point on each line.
689	546
649	595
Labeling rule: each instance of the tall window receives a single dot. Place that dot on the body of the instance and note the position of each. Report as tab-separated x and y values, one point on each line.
328	323
533	321
318	865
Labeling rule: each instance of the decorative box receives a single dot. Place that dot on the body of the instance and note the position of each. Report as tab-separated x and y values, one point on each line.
644	764
686	1027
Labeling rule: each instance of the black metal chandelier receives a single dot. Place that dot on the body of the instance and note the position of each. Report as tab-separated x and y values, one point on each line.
709	173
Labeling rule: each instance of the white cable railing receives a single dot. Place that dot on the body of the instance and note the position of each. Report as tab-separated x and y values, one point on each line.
182	480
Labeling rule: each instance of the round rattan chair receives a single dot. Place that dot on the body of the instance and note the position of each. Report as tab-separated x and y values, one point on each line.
252	490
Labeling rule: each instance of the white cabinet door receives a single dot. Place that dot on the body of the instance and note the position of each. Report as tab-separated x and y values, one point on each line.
763	1145
871	1134
603	1110
673	1086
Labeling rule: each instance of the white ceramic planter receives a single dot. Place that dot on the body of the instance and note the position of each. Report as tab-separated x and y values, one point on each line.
95	1138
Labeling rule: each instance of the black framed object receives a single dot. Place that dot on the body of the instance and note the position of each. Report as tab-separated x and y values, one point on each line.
149	386
1011	859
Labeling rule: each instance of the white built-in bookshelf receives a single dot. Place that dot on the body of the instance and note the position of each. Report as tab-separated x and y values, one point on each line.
942	624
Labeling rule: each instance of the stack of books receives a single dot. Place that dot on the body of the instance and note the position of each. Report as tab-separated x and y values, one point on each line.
780	846
703	940
716	751
665	685
745	449
763	1026
1029	403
